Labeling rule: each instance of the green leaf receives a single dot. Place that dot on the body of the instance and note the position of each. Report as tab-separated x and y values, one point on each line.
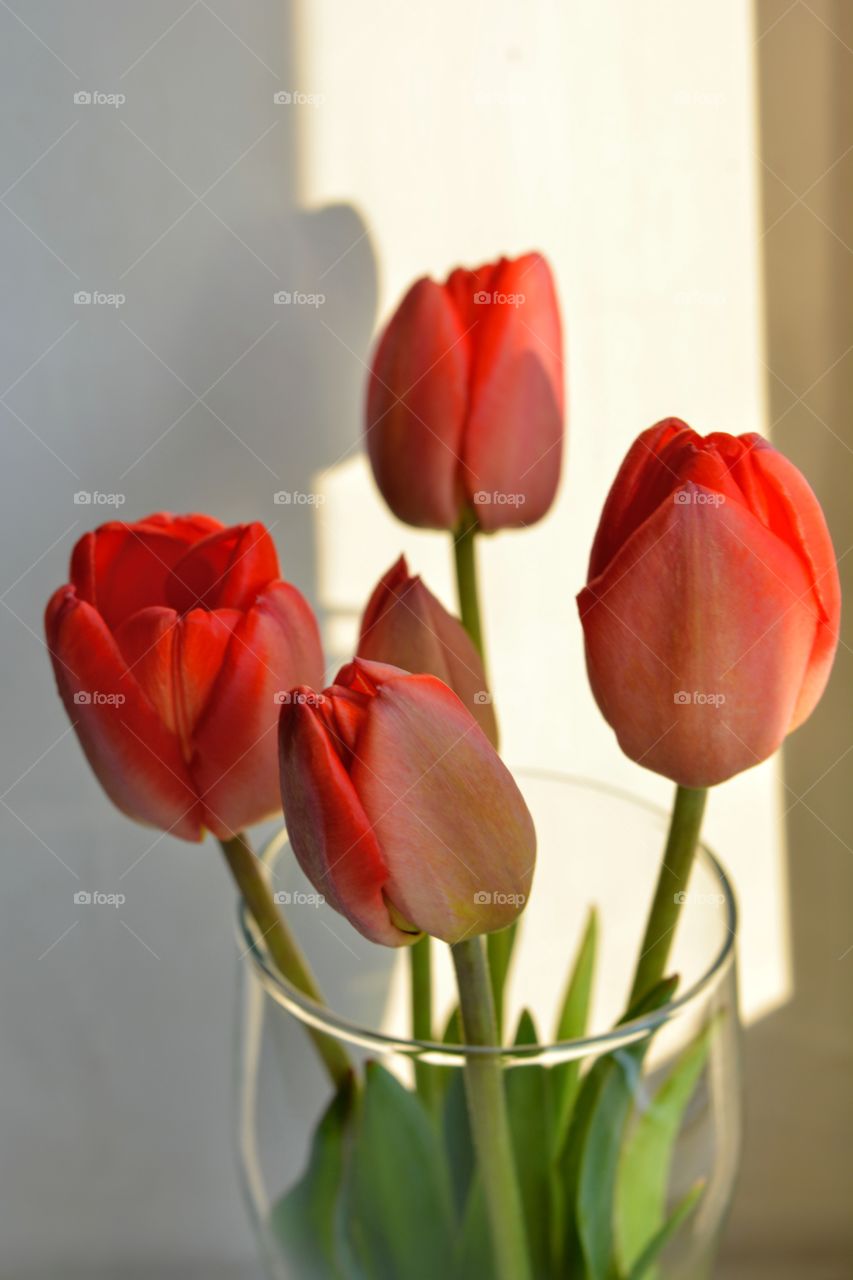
591	1153
500	946
303	1222
474	1256
458	1140
640	1269
400	1219
528	1096
443	1076
644	1168
571	1025
453	1029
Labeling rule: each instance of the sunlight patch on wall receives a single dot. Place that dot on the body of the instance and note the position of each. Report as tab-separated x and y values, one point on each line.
619	140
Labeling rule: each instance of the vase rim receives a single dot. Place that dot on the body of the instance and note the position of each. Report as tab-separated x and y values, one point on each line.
339	1027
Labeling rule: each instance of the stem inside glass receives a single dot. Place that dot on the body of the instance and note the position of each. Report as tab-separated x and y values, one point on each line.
548	1052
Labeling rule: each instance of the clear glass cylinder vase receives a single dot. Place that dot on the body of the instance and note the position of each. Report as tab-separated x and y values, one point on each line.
389	1188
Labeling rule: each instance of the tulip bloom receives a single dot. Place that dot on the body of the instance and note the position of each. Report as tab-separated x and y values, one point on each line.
399	809
465	398
172	646
404	625
712	605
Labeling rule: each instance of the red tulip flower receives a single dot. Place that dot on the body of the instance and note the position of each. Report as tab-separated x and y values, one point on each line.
465	398
400	811
712	605
404	625
172	645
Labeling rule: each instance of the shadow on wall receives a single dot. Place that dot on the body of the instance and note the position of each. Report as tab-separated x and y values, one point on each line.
198	391
232	367
793	1201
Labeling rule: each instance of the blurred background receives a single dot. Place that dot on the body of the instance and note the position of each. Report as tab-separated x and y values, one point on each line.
175	181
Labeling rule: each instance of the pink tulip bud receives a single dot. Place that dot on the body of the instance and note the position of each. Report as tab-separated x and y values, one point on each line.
465	398
712	605
399	809
172	646
405	626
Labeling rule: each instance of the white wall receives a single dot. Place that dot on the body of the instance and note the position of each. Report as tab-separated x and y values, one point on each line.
619	139
616	137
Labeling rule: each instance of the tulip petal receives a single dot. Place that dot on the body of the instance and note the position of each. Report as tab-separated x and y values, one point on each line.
514	433
705	602
329	831
274	646
203	639
801	522
177	660
224	571
643	481
122	568
134	756
146	641
406	624
416	404
448	816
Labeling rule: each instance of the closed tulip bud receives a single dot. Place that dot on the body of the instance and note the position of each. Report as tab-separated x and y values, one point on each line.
172	646
404	625
465	398
400	811
712	605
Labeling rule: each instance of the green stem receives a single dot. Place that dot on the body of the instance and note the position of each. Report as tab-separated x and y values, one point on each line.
465	552
500	947
420	973
487	1108
248	872
680	851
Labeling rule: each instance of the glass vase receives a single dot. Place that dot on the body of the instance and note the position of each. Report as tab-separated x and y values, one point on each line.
385	1183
